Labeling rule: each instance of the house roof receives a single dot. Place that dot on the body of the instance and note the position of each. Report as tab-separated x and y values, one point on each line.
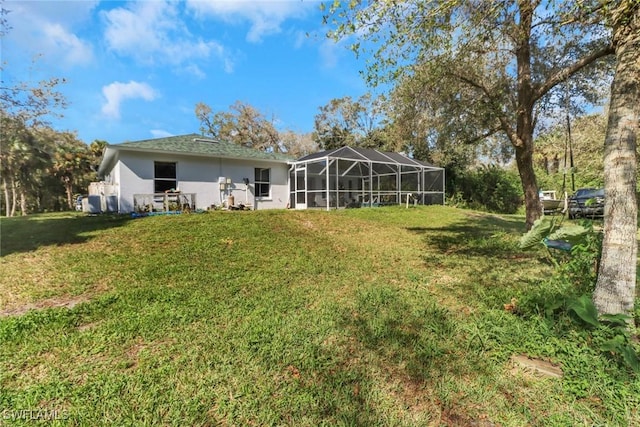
367	155
198	144
191	144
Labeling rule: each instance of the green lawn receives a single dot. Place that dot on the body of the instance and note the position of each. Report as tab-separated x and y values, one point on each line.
385	316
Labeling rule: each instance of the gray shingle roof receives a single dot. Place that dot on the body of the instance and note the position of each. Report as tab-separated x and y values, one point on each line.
200	145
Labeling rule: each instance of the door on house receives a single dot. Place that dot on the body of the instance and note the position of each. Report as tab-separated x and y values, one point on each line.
301	188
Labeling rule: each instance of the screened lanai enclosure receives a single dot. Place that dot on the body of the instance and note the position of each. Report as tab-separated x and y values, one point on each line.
350	177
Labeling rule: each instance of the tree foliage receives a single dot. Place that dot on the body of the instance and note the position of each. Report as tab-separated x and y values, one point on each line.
72	161
245	125
22	162
37	162
345	122
242	124
554	151
477	69
296	144
491	188
42	169
420	126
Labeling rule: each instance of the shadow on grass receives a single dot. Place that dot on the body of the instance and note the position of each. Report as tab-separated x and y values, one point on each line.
424	340
28	233
413	346
479	259
476	235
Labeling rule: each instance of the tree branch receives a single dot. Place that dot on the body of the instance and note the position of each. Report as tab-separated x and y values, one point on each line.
487	134
504	123
565	73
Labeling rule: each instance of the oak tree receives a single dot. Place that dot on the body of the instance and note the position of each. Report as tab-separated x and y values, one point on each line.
25	106
243	124
490	66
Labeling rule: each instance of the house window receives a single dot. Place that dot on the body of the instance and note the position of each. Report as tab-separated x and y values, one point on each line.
164	174
262	182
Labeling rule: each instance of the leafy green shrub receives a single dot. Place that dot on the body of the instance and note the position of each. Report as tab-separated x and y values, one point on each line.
565	297
609	333
489	188
579	269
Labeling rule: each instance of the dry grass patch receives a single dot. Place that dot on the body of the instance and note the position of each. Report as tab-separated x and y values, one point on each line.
68	302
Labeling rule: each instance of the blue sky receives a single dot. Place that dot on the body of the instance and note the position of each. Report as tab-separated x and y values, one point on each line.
135	70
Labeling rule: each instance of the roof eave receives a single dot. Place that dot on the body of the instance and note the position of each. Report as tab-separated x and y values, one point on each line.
108	160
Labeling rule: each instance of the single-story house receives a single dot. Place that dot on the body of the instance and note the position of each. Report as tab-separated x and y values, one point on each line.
169	173
195	172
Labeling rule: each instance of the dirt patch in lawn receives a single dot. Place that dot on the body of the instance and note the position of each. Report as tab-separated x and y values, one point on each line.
58	302
521	363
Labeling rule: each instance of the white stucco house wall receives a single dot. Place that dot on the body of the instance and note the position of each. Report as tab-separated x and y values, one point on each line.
195	165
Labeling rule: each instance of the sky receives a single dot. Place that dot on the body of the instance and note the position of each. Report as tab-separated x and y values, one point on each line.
135	70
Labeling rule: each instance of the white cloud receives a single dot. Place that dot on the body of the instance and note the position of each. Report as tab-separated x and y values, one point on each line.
152	32
330	53
72	50
117	92
160	133
195	71
67	13
265	16
47	29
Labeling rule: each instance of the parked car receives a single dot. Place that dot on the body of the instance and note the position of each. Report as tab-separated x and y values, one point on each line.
587	203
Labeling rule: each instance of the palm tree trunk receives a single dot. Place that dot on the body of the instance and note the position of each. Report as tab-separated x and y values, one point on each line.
615	287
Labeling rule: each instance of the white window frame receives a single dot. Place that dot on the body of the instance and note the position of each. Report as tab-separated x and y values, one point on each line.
258	183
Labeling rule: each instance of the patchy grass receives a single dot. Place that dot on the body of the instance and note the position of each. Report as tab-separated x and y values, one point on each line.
384	316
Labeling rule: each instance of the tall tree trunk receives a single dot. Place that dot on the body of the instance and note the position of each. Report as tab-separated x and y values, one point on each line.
524	160
68	186
7	197
615	287
38	199
13	197
23	201
523	141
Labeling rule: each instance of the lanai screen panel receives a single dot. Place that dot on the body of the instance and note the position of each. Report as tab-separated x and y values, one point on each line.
317	183
433	191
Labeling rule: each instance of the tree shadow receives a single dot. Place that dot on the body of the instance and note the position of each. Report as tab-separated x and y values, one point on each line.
426	338
478	262
413	345
28	233
475	235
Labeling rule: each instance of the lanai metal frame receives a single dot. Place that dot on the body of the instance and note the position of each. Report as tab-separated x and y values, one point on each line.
353	177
